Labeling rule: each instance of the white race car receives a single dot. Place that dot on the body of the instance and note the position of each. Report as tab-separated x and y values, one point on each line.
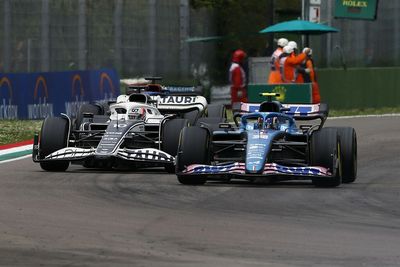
130	132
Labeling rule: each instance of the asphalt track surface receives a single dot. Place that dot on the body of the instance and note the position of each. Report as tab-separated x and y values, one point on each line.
98	218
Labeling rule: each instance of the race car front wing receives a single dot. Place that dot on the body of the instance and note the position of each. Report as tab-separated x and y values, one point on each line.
270	169
76	154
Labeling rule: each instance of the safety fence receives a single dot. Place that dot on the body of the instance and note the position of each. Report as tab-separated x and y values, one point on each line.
359	43
135	37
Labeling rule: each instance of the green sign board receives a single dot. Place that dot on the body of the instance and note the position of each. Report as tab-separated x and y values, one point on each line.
356	9
290	93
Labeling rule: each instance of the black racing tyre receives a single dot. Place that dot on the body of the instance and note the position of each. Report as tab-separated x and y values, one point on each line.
324	149
191	116
216	111
104	107
86	108
348	145
53	136
170	138
194	146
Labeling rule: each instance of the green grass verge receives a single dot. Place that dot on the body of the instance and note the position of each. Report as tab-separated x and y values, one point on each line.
12	131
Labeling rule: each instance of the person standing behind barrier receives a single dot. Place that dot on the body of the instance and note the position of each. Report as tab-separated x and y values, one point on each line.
291	62
237	78
282	58
299	72
311	77
274	73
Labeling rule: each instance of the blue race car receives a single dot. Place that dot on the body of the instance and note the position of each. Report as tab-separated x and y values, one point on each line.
268	144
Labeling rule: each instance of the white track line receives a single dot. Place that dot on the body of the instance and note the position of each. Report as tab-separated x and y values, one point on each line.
366	116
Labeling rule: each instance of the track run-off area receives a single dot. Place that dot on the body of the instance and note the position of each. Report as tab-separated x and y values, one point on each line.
85	217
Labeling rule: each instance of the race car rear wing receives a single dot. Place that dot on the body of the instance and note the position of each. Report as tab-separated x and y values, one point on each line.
300	112
180	102
307	111
190	106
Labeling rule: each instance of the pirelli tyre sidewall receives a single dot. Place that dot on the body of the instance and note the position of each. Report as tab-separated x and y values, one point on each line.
53	136
325	151
194	148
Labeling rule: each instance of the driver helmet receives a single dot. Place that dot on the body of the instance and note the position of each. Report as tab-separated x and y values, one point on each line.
272	123
138	114
258	124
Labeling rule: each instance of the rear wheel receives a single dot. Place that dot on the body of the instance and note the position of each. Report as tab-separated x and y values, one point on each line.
325	151
193	148
191	116
86	108
348	142
170	138
216	111
53	136
212	123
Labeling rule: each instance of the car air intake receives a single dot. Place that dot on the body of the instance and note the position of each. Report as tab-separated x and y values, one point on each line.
140	98
120	110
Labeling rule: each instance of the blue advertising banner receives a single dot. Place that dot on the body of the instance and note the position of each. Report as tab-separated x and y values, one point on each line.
38	95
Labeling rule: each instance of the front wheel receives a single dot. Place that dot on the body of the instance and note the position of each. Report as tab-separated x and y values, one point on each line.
193	148
325	151
216	111
170	138
348	141
53	136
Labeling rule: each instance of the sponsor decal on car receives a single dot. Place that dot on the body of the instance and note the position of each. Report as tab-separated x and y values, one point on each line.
178	100
71	153
180	89
257	146
260	136
113	137
145	154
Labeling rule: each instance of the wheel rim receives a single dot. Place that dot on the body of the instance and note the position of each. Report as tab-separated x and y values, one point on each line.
339	158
